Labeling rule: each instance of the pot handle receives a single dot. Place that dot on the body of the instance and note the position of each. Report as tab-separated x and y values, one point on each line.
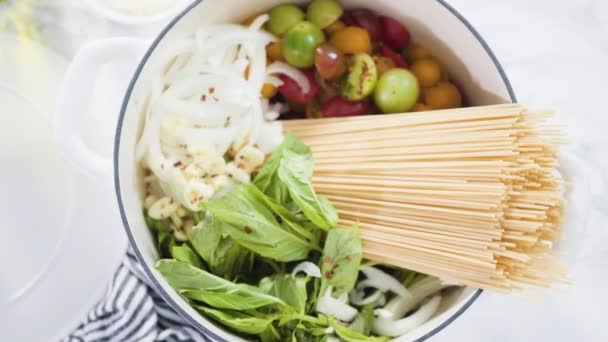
77	93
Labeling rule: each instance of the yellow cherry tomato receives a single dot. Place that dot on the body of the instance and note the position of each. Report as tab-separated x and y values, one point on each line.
334	27
427	71
268	90
352	40
273	51
444	95
414	52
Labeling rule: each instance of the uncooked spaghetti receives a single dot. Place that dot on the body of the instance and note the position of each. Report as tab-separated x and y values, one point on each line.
467	194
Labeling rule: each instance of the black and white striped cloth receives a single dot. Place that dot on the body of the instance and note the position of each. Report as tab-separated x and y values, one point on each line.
132	311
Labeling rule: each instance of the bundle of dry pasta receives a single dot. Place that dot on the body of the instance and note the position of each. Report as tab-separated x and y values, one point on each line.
469	194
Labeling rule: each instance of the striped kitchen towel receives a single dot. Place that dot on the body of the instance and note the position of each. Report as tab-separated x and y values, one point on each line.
132	311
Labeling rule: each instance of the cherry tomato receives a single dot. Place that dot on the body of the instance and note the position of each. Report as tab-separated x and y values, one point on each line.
394	33
300	42
283	17
324	12
329	61
395	57
292	91
368	20
396	91
339	106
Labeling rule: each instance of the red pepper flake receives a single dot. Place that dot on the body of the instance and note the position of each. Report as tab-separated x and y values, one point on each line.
329	274
184	146
197	126
248	230
349	257
204	97
177	164
211	90
162	166
327	260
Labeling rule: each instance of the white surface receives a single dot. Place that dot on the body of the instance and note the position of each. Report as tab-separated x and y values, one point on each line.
555	53
61	234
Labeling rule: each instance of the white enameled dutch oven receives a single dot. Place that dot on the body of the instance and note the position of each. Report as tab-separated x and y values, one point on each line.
435	23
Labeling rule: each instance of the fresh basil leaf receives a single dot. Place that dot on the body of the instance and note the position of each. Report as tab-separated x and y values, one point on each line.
340	260
239	300
295	171
290	289
287	177
271	334
248	221
165	242
267	180
222	254
364	320
189	280
240	321
350	335
185	254
288	220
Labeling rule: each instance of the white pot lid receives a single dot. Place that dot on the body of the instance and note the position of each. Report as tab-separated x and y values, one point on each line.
61	232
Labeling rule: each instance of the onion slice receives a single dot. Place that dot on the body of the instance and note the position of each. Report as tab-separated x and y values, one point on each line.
419	291
307	267
389	327
334	307
381	281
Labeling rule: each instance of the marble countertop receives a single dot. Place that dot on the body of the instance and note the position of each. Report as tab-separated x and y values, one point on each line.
555	53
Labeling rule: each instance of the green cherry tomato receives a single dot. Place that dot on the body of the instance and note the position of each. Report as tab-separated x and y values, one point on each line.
284	17
324	12
361	78
396	91
300	42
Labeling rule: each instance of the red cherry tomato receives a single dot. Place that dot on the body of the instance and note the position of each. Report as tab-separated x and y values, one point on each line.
329	61
339	106
292	91
367	20
395	57
394	33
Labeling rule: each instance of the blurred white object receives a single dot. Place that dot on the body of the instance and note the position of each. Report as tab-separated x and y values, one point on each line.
138	11
61	232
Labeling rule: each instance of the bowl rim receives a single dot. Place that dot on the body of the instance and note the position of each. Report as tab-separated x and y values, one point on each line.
148	270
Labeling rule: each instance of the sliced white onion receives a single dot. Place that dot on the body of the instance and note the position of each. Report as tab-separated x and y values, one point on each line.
273	80
332	339
399	306
333	307
358	297
308	268
389	327
259	21
293	73
381	281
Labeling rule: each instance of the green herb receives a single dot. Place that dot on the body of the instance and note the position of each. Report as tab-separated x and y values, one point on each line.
185	254
199	285
296	172
287	176
267	179
249	323
364	320
340	260
223	255
288	288
252	224
349	335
